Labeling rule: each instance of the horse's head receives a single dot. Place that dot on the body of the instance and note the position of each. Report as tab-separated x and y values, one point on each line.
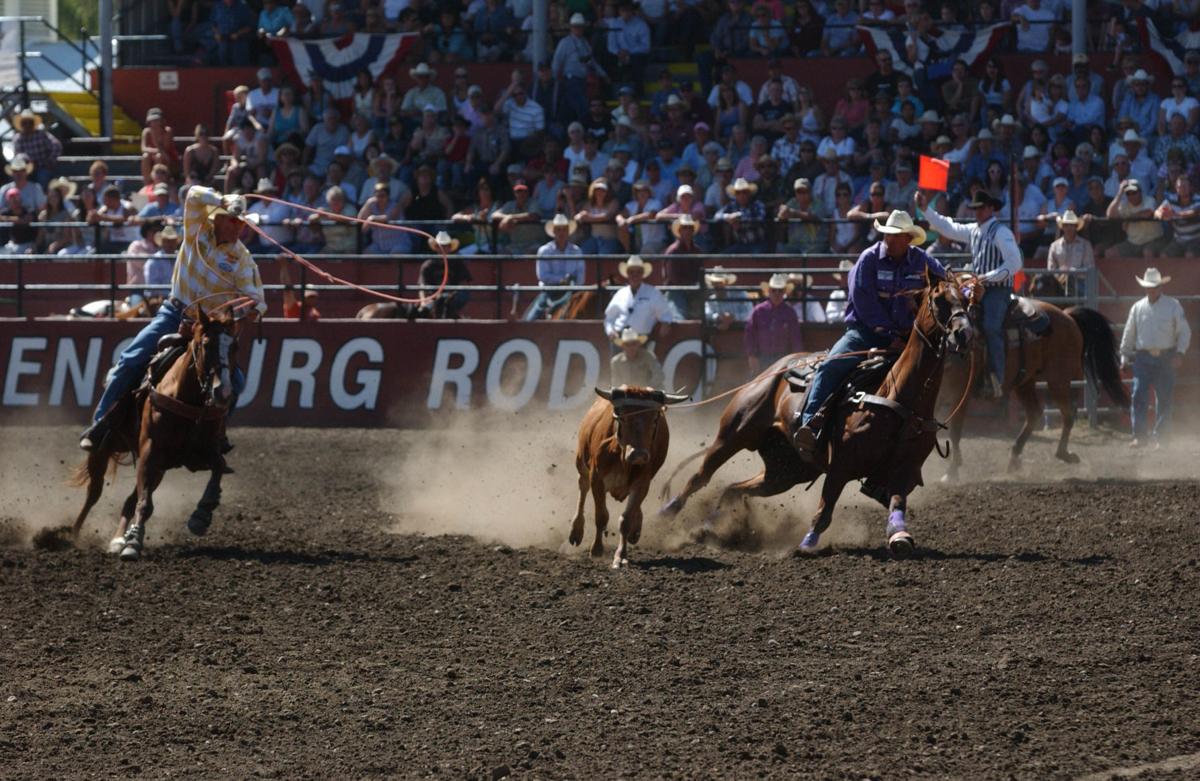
637	413
214	354
944	312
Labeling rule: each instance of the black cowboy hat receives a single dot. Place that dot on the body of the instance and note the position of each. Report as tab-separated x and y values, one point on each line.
984	198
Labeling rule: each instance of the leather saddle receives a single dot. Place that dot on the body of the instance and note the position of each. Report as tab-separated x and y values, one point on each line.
867	376
170	347
1024	321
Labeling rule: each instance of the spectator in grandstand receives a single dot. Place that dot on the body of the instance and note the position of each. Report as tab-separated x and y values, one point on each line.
746	217
289	120
773	329
844	233
335	22
683	268
1085	112
638	305
769	115
826	184
716	195
482	217
628	46
1140	104
201	159
840	38
1155	339
139	250
495	31
1191	72
520	222
960	93
805	232
17	233
340	237
323	139
1143	235
425	93
21	169
161	205
233	28
428	145
1141	167
293	308
275	20
835	307
526	122
451	268
873	209
160	266
1035	26
635	365
772	191
808	30
1070	252
638	229
560	262
273	217
118	214
490	149
380	208
263	99
37	145
747	168
158	145
58	240
239	112
429	202
599	215
1177	137
1182	210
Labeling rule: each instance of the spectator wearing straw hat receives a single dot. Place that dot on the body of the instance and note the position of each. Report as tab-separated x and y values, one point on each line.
37	144
1071	252
746	217
635	365
572	63
724	307
423	93
21	169
773	329
449	304
684	270
160	266
805	232
1143	234
559	262
1140	104
638	305
638	220
1155	339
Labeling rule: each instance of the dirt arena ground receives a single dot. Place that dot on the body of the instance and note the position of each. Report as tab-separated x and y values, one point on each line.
403	604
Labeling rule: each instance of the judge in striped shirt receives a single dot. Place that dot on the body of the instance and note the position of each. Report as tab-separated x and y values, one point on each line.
995	259
213	266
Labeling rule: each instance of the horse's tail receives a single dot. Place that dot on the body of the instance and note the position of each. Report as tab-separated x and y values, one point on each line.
81	475
1100	352
665	493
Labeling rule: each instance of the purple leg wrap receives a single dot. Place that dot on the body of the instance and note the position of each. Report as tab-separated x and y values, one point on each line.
896	522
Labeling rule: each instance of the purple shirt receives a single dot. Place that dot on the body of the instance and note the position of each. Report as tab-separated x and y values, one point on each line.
876	282
773	331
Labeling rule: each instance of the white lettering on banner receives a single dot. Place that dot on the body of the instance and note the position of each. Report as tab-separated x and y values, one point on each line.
84	379
677	353
459	376
367	379
568	348
533	372
258	351
304	375
18	366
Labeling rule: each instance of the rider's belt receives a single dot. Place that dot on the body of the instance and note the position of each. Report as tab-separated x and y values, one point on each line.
1155	353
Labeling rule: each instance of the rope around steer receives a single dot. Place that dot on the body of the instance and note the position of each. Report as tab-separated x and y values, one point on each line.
308	264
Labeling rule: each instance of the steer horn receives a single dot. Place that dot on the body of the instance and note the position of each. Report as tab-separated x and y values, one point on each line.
604	394
675	398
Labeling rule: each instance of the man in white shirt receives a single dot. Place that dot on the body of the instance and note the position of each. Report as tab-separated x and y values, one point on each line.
1035	25
263	99
1155	339
638	305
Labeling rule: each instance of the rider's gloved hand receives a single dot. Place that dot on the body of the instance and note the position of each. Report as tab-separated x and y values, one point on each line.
234	204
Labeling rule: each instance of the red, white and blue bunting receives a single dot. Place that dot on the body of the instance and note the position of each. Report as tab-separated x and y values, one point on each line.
968	44
338	60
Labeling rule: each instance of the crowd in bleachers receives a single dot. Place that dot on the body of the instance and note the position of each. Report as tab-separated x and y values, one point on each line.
607	135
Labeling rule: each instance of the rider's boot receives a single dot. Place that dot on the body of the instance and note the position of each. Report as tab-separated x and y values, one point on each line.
997	386
805	439
90	439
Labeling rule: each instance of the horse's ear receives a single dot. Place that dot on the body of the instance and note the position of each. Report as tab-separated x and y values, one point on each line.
201	315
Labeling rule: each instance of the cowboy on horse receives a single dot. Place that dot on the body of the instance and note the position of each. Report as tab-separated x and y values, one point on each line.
879	316
213	266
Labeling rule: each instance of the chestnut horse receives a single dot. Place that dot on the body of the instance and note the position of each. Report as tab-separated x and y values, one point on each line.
181	422
884	438
1079	341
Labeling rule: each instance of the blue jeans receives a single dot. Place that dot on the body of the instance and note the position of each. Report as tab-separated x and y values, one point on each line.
995	305
545	302
131	366
831	373
1157	374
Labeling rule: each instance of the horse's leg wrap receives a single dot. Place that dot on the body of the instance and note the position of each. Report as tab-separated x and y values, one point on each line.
896	522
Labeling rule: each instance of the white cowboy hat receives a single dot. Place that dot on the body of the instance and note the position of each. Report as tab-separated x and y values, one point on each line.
422	70
930	116
741	185
683	221
599	183
577	20
635	261
719	276
1131	137
560	221
1031	151
19	163
629	335
168	232
1007	121
684	189
1153	278
778	282
674	100
265	185
1069	218
447	243
901	222
65	184
27	114
1139	75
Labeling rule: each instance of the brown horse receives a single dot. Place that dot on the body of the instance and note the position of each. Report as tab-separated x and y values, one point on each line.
586	304
180	422
1079	341
884	437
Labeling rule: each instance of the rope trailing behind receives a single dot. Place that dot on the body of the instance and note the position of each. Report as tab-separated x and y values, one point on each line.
421	301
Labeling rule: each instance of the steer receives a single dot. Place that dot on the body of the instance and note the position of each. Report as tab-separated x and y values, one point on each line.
622	444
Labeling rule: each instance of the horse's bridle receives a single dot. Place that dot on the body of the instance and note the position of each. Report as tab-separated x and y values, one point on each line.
204	375
943	329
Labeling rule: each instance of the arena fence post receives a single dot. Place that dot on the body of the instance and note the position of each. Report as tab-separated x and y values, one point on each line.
20	287
1092	301
112	285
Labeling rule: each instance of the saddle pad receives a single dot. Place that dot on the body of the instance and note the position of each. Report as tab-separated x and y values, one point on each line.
1025	313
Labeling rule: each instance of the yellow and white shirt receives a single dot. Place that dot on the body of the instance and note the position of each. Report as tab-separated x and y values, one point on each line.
203	268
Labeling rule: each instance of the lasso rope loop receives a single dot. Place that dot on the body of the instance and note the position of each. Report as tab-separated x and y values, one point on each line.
422	301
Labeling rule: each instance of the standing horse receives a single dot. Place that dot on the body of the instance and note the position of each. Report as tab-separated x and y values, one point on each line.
1079	341
179	422
884	437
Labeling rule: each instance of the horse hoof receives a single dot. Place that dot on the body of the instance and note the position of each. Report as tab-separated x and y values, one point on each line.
598	552
1014	465
671	508
130	553
116	545
901	545
619	561
199	522
1069	458
808	546
576	535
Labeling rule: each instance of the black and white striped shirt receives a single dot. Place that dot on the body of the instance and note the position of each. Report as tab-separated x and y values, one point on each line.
995	256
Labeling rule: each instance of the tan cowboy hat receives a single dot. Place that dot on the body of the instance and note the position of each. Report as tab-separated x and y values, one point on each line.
560	221
683	221
266	185
1069	218
719	276
741	185
287	146
629	335
422	70
901	222
443	239
1153	278
778	282
635	261
386	159
19	163
803	281
65	184
600	183
24	114
168	232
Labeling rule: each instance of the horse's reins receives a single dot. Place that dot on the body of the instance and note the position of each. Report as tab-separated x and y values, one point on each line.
421	301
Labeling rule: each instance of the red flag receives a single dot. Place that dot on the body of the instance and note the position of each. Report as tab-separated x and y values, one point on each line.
933	174
1019	280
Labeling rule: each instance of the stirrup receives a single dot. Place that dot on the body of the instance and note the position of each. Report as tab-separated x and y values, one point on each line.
805	442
